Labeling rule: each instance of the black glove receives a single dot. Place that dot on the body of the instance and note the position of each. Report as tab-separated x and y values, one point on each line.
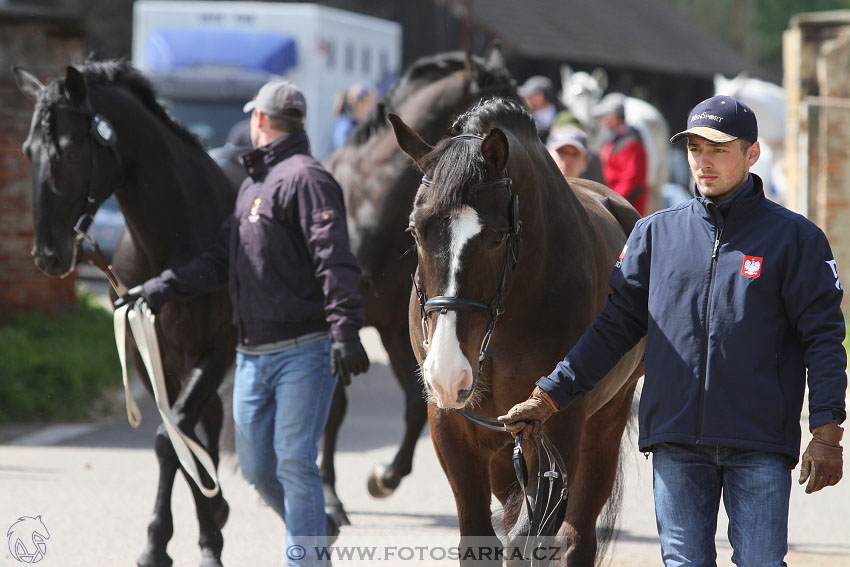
348	358
131	296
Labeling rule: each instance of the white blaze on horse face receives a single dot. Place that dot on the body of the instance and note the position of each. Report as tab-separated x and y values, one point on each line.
446	370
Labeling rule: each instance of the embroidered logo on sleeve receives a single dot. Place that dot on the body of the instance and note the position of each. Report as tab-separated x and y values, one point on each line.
751	266
622	255
255	211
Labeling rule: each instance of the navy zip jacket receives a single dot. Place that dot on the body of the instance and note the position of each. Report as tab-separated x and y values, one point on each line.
284	252
737	302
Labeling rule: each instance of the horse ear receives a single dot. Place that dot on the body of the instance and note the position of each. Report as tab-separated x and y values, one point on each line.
27	82
495	55
75	85
495	150
601	78
408	140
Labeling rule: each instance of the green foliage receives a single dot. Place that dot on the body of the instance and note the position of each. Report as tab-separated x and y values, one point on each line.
753	27
56	368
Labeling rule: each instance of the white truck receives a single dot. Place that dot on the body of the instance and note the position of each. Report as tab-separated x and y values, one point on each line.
206	59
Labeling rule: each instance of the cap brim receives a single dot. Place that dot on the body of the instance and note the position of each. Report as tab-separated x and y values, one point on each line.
709	134
249	106
576	145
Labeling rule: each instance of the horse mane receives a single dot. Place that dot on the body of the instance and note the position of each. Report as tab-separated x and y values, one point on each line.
422	72
457	163
114	72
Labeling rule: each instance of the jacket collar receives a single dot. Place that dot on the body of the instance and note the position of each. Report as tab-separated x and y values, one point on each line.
750	193
258	162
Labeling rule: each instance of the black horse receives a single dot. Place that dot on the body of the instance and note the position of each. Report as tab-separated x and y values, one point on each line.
379	184
99	130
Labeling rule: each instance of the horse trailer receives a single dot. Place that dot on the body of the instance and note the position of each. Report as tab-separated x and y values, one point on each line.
206	59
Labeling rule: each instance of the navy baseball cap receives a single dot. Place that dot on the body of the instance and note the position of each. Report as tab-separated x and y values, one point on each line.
721	119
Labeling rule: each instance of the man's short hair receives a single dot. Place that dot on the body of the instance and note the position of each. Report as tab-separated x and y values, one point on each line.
288	121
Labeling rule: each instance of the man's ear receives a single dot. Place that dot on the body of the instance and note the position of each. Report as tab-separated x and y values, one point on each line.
753	153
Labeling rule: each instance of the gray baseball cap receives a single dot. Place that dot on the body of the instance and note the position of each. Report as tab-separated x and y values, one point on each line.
275	97
535	84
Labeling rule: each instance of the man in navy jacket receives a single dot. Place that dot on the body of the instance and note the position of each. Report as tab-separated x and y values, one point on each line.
293	284
738	298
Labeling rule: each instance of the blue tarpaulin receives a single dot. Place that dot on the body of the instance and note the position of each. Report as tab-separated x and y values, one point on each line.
168	49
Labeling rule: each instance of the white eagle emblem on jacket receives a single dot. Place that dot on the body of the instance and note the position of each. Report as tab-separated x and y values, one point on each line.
752	267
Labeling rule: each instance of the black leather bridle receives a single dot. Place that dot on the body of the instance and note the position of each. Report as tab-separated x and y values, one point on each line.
540	515
103	132
491	310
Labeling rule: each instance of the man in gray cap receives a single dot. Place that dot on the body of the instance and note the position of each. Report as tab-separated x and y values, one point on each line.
537	91
568	147
297	312
740	304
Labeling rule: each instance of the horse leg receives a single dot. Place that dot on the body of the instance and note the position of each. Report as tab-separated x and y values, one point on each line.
161	526
593	482
333	505
385	479
466	466
199	401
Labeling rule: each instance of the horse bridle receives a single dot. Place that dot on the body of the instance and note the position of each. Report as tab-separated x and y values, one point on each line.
540	516
491	310
103	132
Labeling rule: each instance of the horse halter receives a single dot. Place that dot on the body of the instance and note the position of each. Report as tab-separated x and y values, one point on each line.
491	310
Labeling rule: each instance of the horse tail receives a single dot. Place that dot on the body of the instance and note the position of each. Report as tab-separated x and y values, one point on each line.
608	520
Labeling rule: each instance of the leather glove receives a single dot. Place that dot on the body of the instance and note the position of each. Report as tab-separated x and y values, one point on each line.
131	296
348	358
528	416
821	463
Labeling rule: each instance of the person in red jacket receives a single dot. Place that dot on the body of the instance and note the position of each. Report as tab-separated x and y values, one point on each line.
624	163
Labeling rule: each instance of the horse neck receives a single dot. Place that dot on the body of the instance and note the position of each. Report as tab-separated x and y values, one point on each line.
166	185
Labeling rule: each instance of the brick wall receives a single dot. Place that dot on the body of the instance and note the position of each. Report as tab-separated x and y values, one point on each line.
44	46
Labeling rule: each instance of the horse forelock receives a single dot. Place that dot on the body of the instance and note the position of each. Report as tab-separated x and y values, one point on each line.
108	73
456	164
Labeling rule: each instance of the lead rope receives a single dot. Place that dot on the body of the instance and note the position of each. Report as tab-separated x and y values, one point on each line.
142	324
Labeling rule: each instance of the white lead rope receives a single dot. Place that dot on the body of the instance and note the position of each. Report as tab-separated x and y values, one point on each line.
141	320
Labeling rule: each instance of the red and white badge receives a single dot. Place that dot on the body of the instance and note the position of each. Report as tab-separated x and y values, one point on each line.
751	266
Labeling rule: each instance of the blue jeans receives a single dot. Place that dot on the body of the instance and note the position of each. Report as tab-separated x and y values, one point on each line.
280	404
756	486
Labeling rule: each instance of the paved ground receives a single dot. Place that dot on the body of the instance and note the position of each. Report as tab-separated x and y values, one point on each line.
94	492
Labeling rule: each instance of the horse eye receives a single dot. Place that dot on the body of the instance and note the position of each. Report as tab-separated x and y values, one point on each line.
413	232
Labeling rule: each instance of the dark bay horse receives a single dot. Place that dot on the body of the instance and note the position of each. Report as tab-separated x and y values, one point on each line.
379	184
484	189
99	130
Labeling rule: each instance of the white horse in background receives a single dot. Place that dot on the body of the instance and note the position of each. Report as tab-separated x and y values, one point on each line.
581	91
768	102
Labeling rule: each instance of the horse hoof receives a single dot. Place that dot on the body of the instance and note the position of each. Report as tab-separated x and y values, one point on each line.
376	485
154	559
337	512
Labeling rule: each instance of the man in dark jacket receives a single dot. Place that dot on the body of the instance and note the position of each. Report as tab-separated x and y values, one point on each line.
734	319
293	283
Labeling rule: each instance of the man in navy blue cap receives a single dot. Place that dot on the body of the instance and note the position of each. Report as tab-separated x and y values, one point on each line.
739	301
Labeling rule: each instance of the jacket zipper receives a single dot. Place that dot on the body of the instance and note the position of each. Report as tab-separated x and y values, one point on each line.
717	235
